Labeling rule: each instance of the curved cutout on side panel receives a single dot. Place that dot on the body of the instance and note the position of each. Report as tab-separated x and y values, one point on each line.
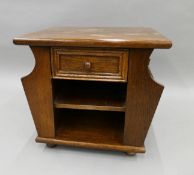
149	72
38	90
153	79
143	95
33	69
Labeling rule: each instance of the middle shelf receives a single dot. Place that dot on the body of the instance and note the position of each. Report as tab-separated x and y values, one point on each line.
89	95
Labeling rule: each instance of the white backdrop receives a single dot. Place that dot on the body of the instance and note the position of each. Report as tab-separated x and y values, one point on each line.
170	141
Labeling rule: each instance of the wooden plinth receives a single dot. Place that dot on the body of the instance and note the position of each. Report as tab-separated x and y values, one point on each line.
123	148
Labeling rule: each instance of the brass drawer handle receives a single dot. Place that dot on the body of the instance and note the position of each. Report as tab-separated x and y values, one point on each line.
87	65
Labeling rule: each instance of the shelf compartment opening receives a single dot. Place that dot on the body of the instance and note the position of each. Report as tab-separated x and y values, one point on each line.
89	126
89	95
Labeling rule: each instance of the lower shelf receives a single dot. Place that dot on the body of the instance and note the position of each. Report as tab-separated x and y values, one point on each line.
123	148
90	129
89	126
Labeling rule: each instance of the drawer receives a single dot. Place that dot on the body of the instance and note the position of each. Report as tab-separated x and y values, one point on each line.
89	64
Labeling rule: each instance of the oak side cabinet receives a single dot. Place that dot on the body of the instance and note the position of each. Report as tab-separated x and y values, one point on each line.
91	87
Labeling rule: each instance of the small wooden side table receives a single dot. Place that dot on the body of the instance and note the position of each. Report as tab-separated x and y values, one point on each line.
91	87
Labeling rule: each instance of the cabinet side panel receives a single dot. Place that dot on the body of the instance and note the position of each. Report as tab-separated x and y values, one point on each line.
38	90
143	95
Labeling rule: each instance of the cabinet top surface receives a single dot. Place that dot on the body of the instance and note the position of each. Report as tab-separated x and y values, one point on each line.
136	37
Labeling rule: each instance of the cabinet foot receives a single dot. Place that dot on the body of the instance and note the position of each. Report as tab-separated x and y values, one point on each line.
51	145
130	153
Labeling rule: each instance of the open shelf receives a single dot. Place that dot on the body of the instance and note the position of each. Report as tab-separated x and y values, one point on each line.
90	126
89	95
90	114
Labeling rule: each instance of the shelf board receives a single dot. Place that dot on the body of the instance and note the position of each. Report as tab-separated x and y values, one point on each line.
88	104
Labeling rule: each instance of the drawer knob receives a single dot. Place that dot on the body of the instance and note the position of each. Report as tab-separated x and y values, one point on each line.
87	65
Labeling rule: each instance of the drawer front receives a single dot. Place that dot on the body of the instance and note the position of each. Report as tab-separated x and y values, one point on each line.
90	64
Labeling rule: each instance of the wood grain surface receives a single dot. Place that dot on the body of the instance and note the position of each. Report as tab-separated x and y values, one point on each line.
38	89
143	95
90	64
135	37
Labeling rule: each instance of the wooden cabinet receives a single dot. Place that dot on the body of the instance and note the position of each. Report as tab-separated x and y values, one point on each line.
91	87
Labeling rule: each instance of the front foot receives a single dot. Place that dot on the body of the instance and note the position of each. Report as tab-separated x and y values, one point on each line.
51	145
130	153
